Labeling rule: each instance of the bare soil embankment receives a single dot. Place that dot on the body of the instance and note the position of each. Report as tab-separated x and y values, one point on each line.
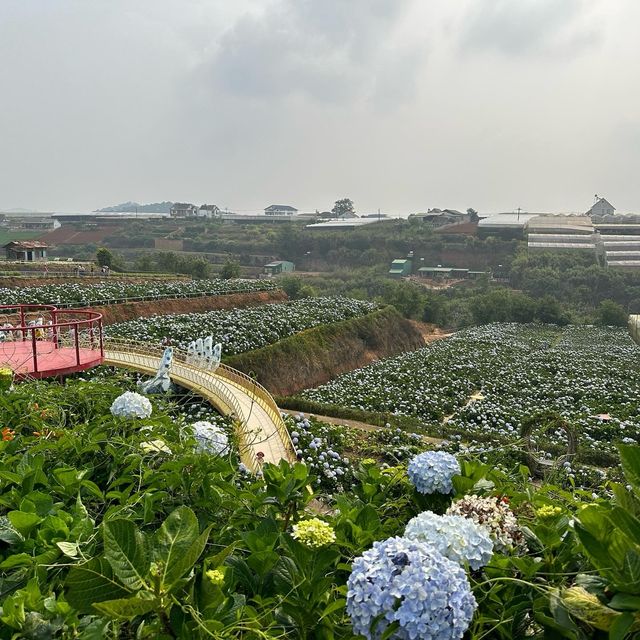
131	310
318	355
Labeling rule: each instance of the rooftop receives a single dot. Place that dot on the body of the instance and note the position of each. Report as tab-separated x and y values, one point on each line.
26	244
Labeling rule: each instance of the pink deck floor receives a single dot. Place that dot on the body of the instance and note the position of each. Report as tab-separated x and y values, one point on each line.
50	361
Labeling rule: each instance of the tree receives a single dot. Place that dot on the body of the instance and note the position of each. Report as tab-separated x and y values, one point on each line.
610	313
200	268
473	215
343	207
104	257
230	269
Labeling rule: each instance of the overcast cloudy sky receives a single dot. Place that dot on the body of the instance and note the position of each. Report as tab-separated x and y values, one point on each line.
398	104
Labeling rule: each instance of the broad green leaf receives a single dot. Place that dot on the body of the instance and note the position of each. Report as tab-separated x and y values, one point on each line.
628	524
630	459
17	560
625	602
126	608
90	583
126	552
620	628
8	533
174	538
69	549
188	559
219	558
23	521
37	502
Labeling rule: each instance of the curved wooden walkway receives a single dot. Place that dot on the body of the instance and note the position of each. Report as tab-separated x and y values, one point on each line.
259	424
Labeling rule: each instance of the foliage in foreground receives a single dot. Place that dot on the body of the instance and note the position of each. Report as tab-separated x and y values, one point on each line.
103	537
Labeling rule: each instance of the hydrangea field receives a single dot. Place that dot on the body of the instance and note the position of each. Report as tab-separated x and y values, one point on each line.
130	517
108	292
242	330
587	377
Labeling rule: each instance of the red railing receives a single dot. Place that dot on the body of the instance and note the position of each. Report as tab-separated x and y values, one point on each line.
48	329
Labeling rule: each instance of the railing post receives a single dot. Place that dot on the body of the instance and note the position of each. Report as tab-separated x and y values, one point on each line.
22	323
34	348
54	328
101	338
77	341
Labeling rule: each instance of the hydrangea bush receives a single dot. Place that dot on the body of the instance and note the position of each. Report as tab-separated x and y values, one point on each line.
314	533
455	537
320	447
114	290
519	369
240	330
433	471
131	405
407	582
210	438
496	516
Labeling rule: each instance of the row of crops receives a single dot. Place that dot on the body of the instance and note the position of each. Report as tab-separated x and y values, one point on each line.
586	376
242	330
113	291
126	517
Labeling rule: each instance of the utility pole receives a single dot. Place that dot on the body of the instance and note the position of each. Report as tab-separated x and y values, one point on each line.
518	214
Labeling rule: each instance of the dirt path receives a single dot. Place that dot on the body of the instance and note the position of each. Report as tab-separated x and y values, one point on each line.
474	397
430	332
355	424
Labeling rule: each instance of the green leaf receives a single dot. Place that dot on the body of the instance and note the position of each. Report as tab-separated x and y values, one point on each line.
126	551
23	521
219	558
621	626
630	459
625	602
187	560
126	608
8	533
174	538
628	524
17	560
69	549
90	583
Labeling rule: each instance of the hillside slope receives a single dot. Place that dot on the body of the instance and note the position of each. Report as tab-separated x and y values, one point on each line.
317	355
131	310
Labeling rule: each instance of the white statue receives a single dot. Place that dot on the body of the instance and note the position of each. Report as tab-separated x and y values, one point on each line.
161	382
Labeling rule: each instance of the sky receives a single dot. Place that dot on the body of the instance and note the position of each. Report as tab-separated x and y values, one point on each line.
400	105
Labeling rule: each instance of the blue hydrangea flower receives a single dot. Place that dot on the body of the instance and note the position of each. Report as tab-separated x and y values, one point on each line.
432	471
455	537
131	405
407	581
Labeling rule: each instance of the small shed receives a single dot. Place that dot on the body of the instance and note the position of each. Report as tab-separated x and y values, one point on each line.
26	250
400	268
279	266
435	272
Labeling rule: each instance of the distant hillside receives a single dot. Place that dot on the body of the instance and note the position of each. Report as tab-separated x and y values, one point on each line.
154	207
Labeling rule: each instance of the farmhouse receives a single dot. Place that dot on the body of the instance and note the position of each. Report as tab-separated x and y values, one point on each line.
602	207
183	210
280	210
26	250
279	266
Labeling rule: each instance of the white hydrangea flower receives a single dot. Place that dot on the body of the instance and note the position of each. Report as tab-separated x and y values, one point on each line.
131	405
155	446
210	438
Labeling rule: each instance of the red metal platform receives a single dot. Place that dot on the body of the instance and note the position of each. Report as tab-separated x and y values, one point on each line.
40	341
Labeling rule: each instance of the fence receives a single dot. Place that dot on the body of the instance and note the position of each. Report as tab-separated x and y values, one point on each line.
44	333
